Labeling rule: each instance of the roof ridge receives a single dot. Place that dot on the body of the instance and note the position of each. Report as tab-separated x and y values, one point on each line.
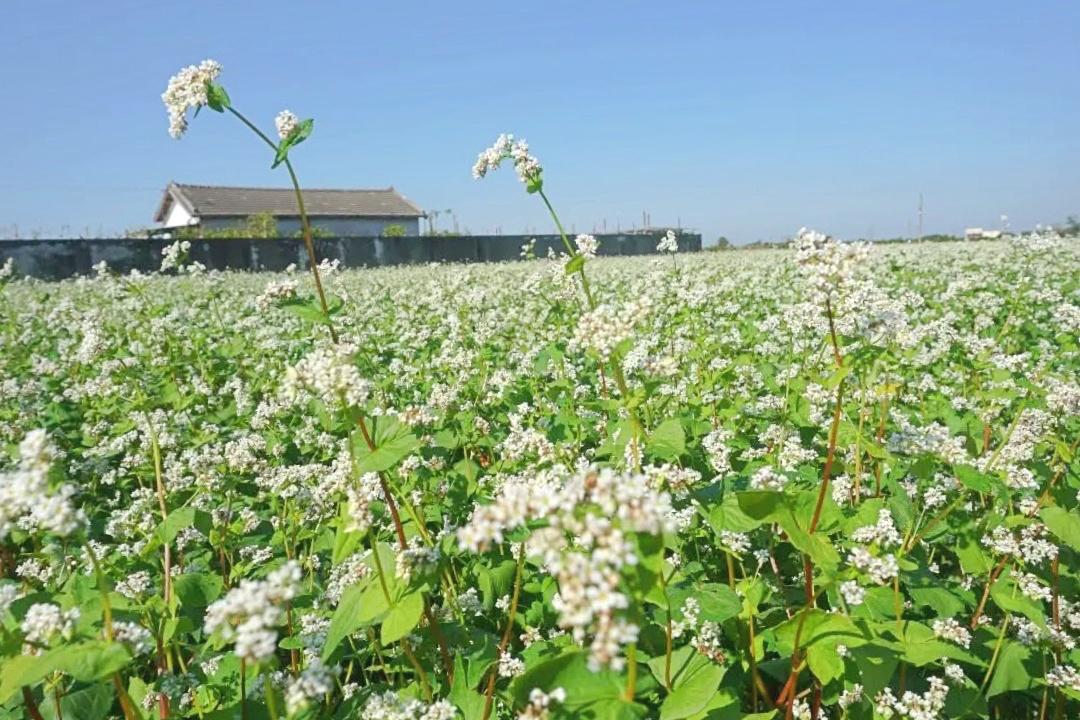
287	189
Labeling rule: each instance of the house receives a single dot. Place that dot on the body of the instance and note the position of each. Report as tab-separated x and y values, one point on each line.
979	233
337	212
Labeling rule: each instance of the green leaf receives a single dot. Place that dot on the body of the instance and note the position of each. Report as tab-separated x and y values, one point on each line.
729	516
1011	673
825	662
693	694
1063	524
467	700
718	602
302	132
89	703
575	264
24	670
972	479
874	667
93	660
184	517
569	671
393	443
667	441
360	605
216	97
307	310
197	590
404	615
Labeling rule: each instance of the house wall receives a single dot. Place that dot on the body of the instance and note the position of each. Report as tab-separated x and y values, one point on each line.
178	216
337	226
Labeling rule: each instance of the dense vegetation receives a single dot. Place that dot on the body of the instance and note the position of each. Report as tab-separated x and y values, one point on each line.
834	480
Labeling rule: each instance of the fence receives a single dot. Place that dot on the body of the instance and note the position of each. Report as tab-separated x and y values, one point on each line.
56	259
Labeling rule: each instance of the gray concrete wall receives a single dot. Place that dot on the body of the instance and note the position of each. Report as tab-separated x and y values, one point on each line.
55	259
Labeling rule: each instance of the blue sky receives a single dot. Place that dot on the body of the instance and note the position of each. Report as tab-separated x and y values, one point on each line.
742	119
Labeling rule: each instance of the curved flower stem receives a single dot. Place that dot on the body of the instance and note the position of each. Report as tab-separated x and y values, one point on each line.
305	224
787	695
433	622
489	693
616	365
106	614
31	704
631	672
986	591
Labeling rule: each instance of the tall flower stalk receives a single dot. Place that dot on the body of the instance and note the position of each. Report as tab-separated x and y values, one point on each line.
195	87
531	173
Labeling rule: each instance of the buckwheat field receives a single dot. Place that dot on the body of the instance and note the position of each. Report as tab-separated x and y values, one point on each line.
833	481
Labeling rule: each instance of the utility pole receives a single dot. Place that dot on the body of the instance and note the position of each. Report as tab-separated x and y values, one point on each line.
920	217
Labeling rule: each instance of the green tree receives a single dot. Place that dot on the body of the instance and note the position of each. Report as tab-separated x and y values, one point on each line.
394	231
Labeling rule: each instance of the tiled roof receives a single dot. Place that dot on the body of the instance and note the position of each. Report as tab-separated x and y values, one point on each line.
216	201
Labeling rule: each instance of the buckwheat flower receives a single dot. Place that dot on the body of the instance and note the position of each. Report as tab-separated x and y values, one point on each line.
587	245
134	636
850	697
134	585
187	90
45	622
1064	676
286	123
736	542
276	290
510	666
669	243
954	673
313	683
950	629
26	499
250	613
852	592
173	255
765	478
539	707
330	373
9	593
884	533
507	148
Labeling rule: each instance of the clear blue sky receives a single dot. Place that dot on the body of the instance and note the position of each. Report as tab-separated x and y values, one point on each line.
743	119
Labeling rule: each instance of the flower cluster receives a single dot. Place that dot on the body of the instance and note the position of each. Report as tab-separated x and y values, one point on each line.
286	124
26	500
507	148
251	612
187	90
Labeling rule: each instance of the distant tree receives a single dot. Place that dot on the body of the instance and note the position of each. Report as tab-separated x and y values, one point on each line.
1072	225
394	231
317	231
722	243
261	225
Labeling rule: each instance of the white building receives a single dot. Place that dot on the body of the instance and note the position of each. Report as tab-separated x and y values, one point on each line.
338	212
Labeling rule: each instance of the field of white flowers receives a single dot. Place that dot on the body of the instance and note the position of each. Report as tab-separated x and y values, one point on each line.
834	481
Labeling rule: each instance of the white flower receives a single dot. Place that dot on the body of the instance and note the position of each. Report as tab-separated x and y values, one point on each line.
507	148
44	621
250	613
587	245
950	629
27	501
286	123
668	243
853	593
187	90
